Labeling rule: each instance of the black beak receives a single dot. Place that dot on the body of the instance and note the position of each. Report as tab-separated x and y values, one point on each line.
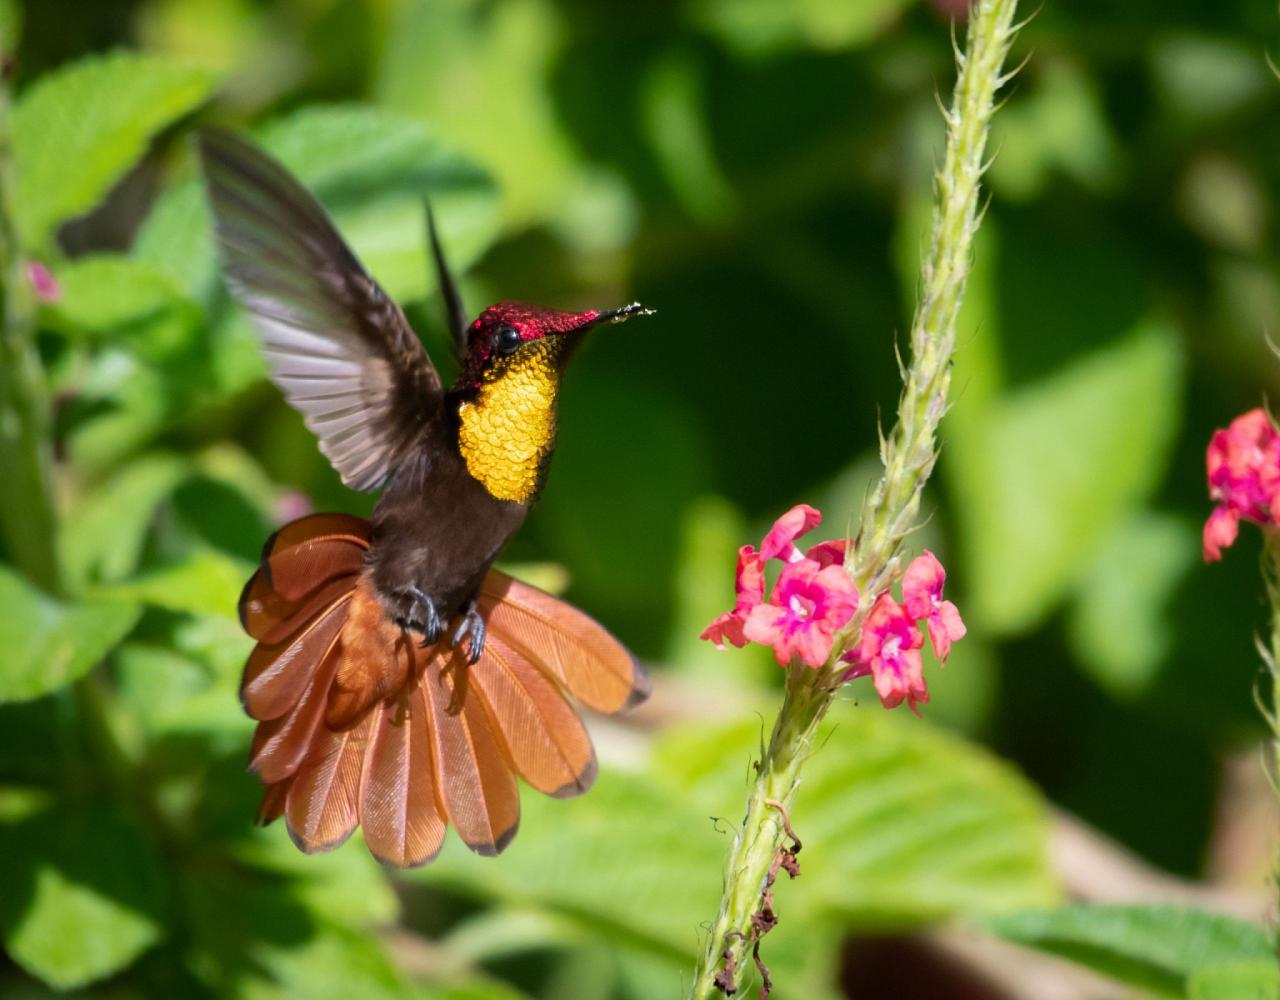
623	313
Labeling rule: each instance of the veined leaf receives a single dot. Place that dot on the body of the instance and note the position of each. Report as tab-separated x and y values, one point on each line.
902	821
48	644
78	129
1159	947
84	894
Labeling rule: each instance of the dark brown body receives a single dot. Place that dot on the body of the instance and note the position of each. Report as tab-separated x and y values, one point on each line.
436	528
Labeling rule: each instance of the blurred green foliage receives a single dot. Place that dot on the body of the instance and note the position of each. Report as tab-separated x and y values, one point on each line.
759	171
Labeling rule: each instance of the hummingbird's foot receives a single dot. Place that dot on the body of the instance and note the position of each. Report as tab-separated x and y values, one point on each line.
420	615
472	630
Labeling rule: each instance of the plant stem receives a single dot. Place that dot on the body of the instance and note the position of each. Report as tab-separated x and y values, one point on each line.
890	511
1271	656
27	520
910	449
756	843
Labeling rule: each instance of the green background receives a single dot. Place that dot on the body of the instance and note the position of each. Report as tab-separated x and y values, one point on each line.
759	171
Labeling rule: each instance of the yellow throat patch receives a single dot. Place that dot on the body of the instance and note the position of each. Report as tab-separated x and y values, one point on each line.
507	432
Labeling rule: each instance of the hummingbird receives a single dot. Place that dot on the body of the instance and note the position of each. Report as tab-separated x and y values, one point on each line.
399	682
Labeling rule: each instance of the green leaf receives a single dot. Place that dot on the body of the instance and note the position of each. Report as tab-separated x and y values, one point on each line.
252	938
103	535
761	27
1257	980
78	129
372	171
49	644
608	859
84	895
480	74
206	582
1118	625
125	303
1048	472
1158	947
900	821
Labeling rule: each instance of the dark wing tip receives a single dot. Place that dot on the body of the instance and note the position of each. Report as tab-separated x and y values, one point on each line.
641	689
581	783
316	847
491	849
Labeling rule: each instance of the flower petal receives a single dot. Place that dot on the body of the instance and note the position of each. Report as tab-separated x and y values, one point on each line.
779	543
1220	532
922	585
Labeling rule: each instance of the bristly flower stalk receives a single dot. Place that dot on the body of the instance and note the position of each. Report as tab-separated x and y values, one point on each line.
890	511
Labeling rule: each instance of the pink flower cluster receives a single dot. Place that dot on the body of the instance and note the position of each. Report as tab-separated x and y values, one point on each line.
814	598
1243	463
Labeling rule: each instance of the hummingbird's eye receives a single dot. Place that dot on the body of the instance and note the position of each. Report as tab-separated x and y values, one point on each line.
506	339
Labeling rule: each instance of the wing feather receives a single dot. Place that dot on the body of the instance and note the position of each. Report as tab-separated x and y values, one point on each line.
322	806
570	645
476	785
403	824
340	350
543	736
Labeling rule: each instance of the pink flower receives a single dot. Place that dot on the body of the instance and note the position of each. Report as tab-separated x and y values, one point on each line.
749	584
1243	465
890	652
809	604
812	600
43	283
922	598
779	543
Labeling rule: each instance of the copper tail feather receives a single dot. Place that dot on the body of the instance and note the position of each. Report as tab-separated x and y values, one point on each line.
358	726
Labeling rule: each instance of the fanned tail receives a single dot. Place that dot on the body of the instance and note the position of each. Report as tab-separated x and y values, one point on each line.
358	726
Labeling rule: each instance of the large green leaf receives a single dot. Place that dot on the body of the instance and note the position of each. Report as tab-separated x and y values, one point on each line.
1158	947
372	170
77	130
125	303
84	894
48	644
900	821
205	582
609	859
106	528
1118	625
1046	473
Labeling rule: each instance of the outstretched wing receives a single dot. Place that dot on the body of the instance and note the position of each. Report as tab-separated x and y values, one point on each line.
340	350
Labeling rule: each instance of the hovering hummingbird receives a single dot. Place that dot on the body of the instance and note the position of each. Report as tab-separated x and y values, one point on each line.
399	682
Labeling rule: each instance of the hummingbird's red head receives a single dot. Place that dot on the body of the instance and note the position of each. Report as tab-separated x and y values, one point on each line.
509	332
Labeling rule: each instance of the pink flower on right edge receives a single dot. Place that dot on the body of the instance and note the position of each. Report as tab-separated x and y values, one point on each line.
1243	466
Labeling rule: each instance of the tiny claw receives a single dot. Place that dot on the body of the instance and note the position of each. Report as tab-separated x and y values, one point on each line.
473	630
425	617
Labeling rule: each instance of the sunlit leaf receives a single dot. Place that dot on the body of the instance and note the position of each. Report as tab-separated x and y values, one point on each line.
372	170
48	644
105	532
85	894
1119	623
898	819
1256	980
206	582
125	303
1052	469
1154	946
78	129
